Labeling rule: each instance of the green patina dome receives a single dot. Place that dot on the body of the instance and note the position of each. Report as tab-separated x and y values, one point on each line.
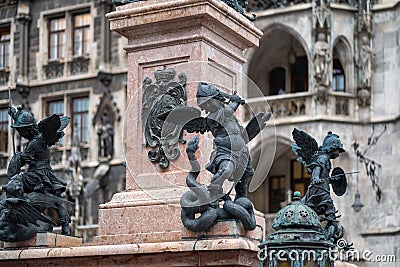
296	215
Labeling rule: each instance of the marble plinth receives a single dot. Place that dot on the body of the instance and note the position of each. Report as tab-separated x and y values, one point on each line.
205	40
46	240
216	252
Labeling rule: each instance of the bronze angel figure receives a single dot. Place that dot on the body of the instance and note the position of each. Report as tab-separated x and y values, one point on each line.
317	161
39	176
230	161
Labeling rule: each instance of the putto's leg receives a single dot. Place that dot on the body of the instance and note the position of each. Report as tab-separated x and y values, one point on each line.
225	170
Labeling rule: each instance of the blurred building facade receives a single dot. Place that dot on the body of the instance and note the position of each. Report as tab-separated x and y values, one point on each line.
332	66
60	57
322	65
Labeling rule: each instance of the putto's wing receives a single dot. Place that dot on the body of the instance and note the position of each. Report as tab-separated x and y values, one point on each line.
254	126
189	118
180	115
51	128
23	213
304	146
64	121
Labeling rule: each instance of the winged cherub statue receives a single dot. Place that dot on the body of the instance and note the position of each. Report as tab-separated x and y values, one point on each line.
230	161
39	177
317	161
18	217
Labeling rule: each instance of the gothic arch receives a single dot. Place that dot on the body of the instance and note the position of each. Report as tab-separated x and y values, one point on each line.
341	49
281	46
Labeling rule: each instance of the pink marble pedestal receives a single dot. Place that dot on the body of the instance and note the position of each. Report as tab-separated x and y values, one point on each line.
205	40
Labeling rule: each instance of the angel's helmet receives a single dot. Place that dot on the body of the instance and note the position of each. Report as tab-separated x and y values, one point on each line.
332	142
25	123
205	93
23	119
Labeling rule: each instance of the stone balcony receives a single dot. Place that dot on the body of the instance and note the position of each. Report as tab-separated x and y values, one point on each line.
303	106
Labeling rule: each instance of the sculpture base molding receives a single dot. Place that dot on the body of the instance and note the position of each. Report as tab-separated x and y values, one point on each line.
46	240
153	215
229	228
236	252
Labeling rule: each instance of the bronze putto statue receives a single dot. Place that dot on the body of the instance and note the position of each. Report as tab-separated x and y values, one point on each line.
29	193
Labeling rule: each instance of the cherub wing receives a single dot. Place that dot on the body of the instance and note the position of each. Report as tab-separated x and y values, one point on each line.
254	127
52	128
304	146
21	212
189	118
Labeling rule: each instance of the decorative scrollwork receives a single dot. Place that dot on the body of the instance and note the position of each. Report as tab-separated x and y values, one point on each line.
161	97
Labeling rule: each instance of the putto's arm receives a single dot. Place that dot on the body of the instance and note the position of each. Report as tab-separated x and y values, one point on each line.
315	175
235	102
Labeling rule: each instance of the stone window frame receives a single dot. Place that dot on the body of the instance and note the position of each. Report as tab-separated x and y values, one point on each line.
57	32
6	75
67	96
4	124
65	65
85	30
5	154
81	114
5	53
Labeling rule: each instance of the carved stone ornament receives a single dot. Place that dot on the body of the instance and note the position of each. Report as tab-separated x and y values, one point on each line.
364	97
161	97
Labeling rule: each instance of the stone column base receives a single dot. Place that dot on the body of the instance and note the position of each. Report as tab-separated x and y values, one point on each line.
216	252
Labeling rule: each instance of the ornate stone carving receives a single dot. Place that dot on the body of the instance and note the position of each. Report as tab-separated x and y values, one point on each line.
54	69
364	55
106	135
364	97
160	97
288	107
79	66
342	106
322	49
105	78
322	59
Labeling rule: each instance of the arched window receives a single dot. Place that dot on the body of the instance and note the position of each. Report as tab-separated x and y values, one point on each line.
338	79
277	81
